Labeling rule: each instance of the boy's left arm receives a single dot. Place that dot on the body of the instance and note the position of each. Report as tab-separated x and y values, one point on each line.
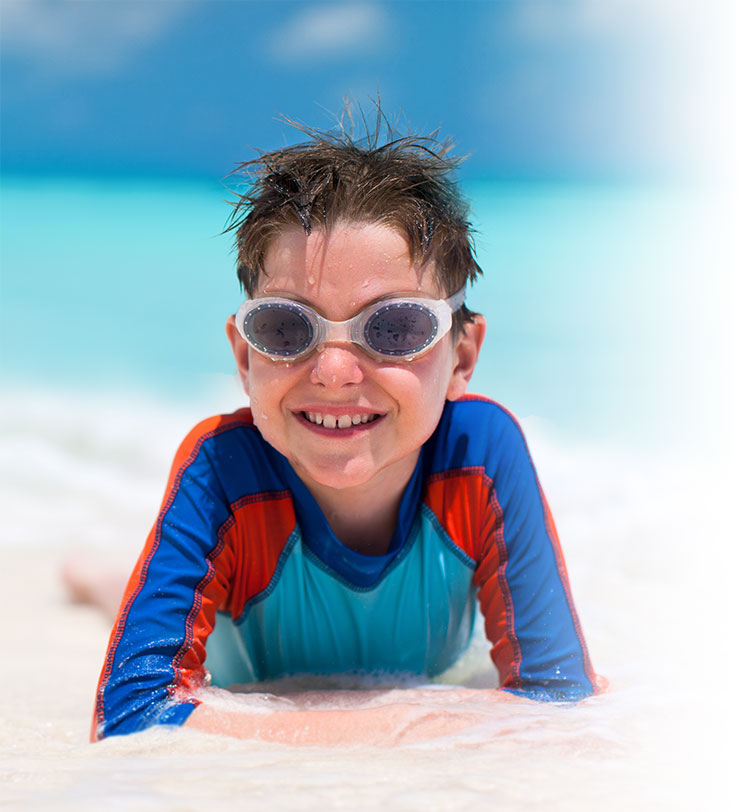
488	498
538	644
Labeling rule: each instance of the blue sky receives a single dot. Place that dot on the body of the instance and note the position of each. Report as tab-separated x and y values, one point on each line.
528	87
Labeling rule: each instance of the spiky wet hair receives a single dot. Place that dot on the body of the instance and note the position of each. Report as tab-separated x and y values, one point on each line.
404	182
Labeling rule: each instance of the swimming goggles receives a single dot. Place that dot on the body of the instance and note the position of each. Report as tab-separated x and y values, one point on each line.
397	329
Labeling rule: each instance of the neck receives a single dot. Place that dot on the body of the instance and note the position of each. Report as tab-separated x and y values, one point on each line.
364	517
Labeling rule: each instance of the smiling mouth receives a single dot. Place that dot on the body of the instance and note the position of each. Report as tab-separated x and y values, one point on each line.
342	421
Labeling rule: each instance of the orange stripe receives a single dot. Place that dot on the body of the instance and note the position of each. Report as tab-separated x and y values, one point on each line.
465	504
258	534
457	499
243	564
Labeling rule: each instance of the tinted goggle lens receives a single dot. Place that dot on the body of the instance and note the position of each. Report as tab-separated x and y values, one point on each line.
279	330
400	329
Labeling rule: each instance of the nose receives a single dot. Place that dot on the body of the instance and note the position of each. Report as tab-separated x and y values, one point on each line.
336	365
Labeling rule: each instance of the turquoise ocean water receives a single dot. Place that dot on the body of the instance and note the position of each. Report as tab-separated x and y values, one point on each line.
598	300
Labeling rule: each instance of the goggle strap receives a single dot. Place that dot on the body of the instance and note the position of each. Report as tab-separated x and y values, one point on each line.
457	300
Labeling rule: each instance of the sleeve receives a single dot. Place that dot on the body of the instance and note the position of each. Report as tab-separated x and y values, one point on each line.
156	651
530	618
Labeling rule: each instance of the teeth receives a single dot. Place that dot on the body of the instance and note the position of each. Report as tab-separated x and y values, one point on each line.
344	421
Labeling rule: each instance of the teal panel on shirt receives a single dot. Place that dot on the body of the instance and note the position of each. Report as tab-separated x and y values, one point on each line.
417	619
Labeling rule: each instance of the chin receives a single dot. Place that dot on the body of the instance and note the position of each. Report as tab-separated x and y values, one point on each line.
337	476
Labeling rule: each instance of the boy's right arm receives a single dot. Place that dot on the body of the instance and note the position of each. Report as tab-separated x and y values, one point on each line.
154	663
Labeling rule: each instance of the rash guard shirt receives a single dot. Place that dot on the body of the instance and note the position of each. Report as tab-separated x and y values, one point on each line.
242	578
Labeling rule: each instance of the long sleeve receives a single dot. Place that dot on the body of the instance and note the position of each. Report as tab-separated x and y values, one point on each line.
489	499
156	651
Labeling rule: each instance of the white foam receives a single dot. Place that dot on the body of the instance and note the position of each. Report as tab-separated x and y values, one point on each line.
89	468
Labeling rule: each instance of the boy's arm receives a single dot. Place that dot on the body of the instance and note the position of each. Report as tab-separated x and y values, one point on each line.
404	716
530	617
154	663
486	495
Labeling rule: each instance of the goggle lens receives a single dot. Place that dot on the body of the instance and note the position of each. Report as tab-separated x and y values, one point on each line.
279	329
401	329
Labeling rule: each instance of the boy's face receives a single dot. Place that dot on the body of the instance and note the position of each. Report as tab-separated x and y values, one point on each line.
338	273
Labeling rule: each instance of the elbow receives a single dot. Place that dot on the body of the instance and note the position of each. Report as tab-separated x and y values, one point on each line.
134	720
555	690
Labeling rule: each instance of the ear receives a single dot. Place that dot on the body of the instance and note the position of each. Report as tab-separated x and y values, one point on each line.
466	353
240	348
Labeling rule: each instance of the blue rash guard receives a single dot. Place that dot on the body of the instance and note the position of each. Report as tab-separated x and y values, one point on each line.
242	576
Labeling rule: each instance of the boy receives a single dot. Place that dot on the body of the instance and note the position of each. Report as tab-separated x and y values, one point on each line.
344	523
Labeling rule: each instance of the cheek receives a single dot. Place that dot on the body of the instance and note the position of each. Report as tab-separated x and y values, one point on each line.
420	388
267	384
263	385
268	417
430	374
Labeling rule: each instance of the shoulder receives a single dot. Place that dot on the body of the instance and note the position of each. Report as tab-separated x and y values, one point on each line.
219	424
218	430
471	410
213	431
227	447
475	432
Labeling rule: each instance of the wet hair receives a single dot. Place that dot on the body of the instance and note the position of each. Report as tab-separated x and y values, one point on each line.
404	182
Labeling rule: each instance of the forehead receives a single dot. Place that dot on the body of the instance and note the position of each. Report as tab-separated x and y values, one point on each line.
361	260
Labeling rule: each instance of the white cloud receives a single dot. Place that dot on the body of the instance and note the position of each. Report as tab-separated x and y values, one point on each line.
331	30
83	36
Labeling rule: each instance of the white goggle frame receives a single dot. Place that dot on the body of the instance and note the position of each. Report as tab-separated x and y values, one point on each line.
325	330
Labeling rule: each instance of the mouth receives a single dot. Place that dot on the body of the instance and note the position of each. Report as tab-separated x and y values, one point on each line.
337	422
